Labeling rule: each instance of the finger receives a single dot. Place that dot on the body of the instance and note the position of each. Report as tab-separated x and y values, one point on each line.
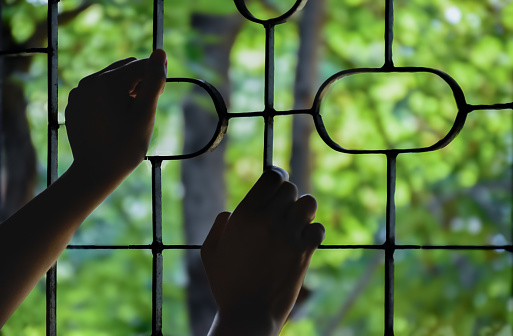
151	85
301	213
126	78
312	236
117	64
264	188
283	199
216	232
86	80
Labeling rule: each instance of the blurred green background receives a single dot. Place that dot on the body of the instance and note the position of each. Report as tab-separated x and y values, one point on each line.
461	194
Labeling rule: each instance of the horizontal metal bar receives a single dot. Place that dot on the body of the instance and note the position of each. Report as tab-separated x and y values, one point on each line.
351	247
109	247
232	115
417	247
132	247
491	107
455	247
321	247
24	52
294	112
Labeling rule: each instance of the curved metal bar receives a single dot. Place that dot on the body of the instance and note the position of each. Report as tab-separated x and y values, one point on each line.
459	97
243	9
222	124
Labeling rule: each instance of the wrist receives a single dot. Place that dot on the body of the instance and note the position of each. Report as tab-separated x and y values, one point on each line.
100	173
248	323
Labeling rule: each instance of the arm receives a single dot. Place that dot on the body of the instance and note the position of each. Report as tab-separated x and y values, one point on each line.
256	257
109	119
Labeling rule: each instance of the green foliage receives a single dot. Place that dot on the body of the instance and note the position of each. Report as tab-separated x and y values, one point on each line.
458	195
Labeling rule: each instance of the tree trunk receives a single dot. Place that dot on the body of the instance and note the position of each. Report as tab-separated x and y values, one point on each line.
203	177
18	155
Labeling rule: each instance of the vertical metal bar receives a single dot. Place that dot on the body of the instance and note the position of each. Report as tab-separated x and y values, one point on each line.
156	186
269	96
389	33
1	102
51	301
158	24
53	124
390	244
53	127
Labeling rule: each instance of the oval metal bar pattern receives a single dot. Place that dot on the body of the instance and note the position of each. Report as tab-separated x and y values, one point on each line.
459	97
222	124
243	9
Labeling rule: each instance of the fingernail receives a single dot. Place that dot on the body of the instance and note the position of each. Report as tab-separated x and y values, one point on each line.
159	55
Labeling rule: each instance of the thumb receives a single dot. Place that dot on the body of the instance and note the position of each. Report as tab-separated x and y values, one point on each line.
151	85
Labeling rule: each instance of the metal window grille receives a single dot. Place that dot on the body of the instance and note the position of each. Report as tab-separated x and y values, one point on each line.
269	112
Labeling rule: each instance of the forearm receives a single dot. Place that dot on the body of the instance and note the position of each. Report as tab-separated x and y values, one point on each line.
32	239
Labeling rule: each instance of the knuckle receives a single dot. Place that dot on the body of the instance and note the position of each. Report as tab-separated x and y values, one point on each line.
289	187
73	94
308	200
130	59
85	82
314	234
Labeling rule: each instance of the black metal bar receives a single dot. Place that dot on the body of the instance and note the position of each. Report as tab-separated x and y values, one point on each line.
269	69
53	127
109	247
51	301
156	186
459	97
389	33
269	96
321	247
24	52
1	102
504	106
231	115
158	41
268	142
53	89
158	24
390	245
421	247
456	247
131	247
294	112
351	247
297	6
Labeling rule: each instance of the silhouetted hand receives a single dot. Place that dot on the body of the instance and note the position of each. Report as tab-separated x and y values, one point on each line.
110	115
256	257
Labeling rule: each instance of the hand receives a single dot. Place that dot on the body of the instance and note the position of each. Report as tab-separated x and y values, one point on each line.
257	257
110	115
